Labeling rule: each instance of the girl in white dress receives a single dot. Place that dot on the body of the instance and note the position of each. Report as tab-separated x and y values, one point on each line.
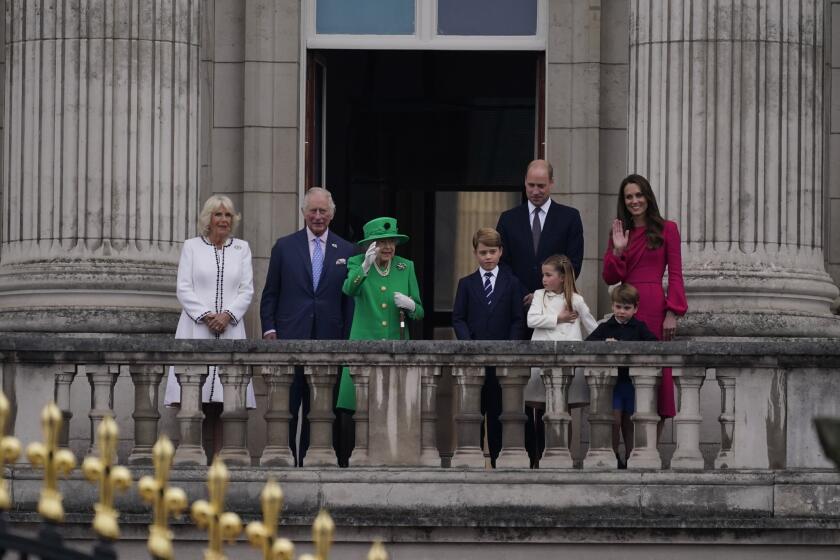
557	313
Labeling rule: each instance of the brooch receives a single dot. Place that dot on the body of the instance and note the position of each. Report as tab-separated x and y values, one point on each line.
334	246
237	247
340	262
400	266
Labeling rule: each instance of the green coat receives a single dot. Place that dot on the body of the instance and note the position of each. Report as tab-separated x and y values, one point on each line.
375	316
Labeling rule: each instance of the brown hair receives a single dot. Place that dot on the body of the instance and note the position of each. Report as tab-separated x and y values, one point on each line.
654	222
626	294
548	167
563	265
487	236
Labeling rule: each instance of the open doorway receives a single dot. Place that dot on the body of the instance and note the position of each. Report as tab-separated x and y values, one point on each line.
437	139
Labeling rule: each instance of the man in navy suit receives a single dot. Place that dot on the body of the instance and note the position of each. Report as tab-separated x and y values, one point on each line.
302	298
539	228
488	306
532	232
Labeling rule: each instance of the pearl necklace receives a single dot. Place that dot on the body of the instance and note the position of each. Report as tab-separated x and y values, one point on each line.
381	272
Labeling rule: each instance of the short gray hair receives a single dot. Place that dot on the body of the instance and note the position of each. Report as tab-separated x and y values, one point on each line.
214	202
318	190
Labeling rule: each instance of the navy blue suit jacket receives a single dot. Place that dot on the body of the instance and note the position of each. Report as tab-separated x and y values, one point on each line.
290	306
562	234
503	319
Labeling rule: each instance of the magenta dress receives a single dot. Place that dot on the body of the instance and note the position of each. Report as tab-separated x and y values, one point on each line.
644	268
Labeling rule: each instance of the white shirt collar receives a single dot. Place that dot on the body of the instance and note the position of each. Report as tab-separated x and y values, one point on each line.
310	236
544	207
495	272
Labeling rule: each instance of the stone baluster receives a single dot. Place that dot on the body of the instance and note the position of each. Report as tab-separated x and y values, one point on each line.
513	454
726	381
235	379
277	452
102	379
687	456
321	417
361	379
600	455
146	380
63	381
557	418
190	450
645	454
468	416
429	454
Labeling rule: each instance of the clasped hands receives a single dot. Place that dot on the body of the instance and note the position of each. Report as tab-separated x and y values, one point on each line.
217	322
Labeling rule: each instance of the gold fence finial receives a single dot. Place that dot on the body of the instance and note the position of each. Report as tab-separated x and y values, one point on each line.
54	461
263	534
322	536
110	478
377	552
220	525
165	501
9	452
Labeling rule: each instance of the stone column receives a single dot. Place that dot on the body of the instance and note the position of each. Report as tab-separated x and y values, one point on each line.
63	381
190	450
600	455
645	453
361	378
726	120
687	455
468	416
557	418
513	454
234	418
102	379
429	454
321	417
146	379
100	163
277	452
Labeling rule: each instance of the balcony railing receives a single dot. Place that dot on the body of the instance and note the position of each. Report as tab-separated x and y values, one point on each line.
769	391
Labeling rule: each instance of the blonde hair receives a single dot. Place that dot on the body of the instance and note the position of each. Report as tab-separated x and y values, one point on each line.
563	265
213	203
487	236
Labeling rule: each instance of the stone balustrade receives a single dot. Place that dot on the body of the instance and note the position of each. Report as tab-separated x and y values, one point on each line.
769	390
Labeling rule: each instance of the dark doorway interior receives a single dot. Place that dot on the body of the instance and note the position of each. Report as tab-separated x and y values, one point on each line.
401	126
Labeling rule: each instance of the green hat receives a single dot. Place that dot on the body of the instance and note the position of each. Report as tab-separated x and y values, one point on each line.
382	228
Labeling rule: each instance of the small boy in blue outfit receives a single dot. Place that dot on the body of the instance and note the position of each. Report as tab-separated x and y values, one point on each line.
623	326
488	306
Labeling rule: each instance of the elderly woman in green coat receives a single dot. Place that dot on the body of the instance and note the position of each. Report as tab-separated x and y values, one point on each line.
383	287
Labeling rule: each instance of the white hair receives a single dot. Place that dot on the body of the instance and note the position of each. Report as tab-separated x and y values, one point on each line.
318	190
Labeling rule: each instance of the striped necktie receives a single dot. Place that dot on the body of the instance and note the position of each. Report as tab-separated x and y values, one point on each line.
488	287
317	263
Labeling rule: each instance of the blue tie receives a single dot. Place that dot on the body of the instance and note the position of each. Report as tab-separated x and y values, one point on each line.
317	263
488	287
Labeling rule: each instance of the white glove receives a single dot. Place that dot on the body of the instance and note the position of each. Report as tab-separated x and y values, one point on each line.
404	302
370	256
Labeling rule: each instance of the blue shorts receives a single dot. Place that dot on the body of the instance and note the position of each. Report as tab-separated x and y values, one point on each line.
624	397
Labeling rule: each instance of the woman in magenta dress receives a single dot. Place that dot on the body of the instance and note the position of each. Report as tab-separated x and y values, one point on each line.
642	245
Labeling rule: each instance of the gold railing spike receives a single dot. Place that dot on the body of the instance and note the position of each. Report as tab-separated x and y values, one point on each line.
322	534
110	478
9	452
377	552
54	461
263	534
165	501
221	525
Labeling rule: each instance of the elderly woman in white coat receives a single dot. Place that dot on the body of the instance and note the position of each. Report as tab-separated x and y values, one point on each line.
215	286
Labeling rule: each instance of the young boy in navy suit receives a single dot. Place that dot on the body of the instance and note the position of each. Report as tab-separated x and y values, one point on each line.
623	326
488	306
